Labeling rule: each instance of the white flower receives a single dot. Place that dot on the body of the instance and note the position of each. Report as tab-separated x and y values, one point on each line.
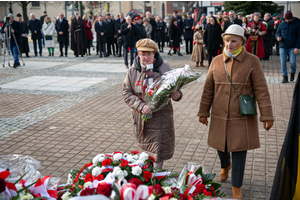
125	173
125	154
66	196
136	170
131	159
117	172
136	157
151	197
140	162
167	190
117	156
144	156
19	186
87	184
101	159
96	171
96	159
27	196
172	198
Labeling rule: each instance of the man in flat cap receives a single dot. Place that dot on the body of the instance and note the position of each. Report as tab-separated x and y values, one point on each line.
240	15
188	33
24	47
211	14
15	41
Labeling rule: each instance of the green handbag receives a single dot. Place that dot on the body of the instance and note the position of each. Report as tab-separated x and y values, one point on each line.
247	102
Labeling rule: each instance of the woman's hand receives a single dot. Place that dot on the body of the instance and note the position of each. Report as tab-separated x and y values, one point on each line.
175	95
268	125
203	45
203	120
146	110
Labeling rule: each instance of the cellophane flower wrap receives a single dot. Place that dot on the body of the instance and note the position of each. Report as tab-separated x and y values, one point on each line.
158	94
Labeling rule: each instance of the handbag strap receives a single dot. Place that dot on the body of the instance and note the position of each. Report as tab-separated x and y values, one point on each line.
230	79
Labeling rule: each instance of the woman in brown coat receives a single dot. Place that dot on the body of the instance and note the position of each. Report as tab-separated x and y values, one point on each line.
230	131
198	51
157	135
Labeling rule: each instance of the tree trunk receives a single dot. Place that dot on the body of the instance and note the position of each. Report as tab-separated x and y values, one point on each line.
24	5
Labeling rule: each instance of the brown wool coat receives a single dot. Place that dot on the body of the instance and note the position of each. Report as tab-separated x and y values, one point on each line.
198	54
158	138
227	125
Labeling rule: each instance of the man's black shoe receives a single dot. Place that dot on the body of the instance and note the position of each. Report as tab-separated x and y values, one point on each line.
35	55
292	77
41	55
285	79
15	65
66	55
27	56
61	55
100	56
119	56
18	64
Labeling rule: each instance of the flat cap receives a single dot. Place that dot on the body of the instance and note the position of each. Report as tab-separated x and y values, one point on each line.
19	15
146	45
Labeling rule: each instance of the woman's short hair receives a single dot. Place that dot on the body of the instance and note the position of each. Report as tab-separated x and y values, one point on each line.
225	37
145	19
46	18
84	17
256	14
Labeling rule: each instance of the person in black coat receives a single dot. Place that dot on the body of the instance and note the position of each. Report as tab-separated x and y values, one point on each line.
188	33
174	37
140	29
118	24
160	33
268	37
111	34
101	30
232	20
128	33
212	39
42	19
14	30
24	47
180	26
62	27
34	25
79	42
153	24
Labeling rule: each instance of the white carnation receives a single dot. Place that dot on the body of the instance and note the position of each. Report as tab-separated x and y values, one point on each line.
96	159
27	196
66	196
96	171
131	159
136	170
117	156
125	154
172	198
87	184
19	186
167	190
140	162
151	197
101	159
144	156
125	173
117	172
136	157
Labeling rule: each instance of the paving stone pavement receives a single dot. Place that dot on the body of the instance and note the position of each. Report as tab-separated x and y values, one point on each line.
66	129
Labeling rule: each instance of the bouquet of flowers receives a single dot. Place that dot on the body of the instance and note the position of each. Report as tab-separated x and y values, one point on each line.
266	24
158	94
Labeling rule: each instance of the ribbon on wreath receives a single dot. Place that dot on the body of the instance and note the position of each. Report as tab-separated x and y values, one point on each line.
81	170
160	175
10	188
107	169
143	192
128	191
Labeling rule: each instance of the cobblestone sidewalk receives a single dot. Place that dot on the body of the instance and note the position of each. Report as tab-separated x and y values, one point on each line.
64	130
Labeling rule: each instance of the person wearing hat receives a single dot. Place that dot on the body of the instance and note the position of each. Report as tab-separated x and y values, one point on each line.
268	36
274	41
156	136
15	39
255	42
148	27
288	35
140	31
174	37
188	33
239	15
42	19
211	14
229	130
203	21
24	47
198	53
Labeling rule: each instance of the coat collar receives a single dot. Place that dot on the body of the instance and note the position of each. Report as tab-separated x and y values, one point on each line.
239	58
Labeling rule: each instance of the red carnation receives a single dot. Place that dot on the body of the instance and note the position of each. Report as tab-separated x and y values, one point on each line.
2	185
147	175
159	191
89	178
207	193
183	197
124	163
136	182
87	191
152	158
117	152
104	188
106	162
134	152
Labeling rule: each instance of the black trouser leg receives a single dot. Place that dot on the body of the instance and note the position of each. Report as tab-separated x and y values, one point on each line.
211	55
267	48
101	49
162	46
131	55
191	46
120	51
187	46
61	48
108	45
34	46
66	49
158	44
125	53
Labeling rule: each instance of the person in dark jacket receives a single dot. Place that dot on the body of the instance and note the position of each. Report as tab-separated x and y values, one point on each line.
188	34
174	37
153	24
42	19
212	39
79	41
101	30
111	34
140	31
15	30
268	37
128	33
34	25
24	47
180	26
62	27
118	24
232	20
288	35
160	33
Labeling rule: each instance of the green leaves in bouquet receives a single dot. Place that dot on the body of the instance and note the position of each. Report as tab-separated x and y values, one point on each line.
25	188
207	178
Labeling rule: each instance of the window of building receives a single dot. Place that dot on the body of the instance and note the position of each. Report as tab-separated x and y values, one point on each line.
177	5
35	4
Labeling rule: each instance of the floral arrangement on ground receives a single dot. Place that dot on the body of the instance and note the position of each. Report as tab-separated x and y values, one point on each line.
114	176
